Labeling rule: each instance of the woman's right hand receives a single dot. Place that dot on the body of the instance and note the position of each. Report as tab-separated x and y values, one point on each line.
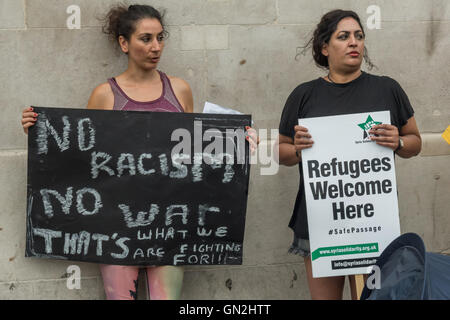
302	139
29	117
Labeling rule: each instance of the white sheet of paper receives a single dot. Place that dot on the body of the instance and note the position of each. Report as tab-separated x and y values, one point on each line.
214	108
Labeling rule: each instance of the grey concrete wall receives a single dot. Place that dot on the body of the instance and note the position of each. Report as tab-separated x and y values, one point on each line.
240	54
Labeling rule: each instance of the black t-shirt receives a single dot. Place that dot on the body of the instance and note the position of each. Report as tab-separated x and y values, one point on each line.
319	98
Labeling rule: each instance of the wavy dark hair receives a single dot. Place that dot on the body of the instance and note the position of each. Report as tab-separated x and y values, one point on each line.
121	20
322	35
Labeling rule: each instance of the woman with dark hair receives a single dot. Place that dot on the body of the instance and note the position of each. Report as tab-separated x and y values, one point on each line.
338	47
139	31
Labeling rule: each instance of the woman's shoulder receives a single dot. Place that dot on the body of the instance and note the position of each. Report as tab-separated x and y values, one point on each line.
103	88
304	88
102	97
387	81
183	92
179	84
392	88
308	85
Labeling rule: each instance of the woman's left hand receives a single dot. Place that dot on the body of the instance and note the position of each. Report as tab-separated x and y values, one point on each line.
252	138
387	135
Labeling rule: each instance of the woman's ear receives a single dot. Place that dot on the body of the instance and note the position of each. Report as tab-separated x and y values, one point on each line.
123	43
325	50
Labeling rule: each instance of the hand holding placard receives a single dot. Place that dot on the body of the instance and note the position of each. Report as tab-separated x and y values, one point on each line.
302	138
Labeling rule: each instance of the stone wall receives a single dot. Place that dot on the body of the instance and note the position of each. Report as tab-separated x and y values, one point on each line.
239	54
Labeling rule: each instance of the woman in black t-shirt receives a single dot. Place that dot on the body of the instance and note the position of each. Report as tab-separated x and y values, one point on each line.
338	46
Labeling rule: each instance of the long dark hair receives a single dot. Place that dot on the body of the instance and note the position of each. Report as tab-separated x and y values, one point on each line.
121	20
322	35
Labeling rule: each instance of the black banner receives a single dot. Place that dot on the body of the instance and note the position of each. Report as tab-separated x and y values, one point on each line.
137	188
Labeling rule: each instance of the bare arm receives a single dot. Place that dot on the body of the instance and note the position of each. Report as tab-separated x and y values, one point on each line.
411	139
102	98
286	151
289	150
183	93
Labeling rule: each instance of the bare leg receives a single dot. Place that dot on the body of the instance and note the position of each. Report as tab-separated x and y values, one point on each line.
120	282
327	288
165	282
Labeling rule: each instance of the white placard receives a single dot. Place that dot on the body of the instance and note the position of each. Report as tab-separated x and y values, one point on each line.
351	193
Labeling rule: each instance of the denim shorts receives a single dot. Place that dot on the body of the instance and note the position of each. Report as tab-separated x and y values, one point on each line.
300	246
